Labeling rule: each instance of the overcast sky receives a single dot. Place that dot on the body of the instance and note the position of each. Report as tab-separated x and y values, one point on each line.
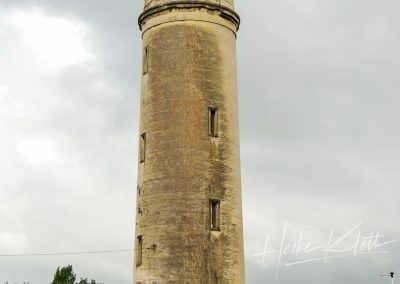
319	124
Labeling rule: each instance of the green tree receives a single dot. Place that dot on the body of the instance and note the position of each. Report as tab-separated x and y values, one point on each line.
66	275
86	281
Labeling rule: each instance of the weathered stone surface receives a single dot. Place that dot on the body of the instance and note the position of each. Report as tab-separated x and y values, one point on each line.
190	66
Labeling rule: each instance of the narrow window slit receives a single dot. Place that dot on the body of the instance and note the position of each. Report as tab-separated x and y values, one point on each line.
142	147
145	60
139	250
213	121
214	214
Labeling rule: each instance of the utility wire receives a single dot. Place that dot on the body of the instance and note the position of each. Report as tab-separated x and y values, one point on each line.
66	253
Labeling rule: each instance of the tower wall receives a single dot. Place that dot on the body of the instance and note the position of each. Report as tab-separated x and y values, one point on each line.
189	69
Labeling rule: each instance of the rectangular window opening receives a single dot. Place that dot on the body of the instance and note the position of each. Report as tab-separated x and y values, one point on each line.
145	60
213	121
214	214
139	250
142	147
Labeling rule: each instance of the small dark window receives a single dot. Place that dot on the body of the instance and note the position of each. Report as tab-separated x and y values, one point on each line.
213	121
145	60
139	250
214	214
142	147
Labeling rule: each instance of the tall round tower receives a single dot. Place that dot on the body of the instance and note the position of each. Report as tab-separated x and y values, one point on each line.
189	215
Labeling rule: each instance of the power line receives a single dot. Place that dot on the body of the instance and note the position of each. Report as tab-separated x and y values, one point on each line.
66	253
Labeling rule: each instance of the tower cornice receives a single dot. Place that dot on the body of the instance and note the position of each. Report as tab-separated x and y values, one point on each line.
223	11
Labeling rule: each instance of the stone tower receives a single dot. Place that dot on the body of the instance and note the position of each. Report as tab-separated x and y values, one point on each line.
189	215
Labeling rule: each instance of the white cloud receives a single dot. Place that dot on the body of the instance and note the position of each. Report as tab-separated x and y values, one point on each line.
39	151
3	91
12	241
63	139
55	41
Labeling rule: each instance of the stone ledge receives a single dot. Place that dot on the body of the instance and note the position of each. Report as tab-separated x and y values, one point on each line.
224	12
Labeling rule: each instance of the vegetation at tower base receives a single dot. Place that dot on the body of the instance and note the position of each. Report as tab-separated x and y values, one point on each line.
66	275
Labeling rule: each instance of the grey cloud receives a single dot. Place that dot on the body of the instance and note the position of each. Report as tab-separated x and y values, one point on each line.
318	84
